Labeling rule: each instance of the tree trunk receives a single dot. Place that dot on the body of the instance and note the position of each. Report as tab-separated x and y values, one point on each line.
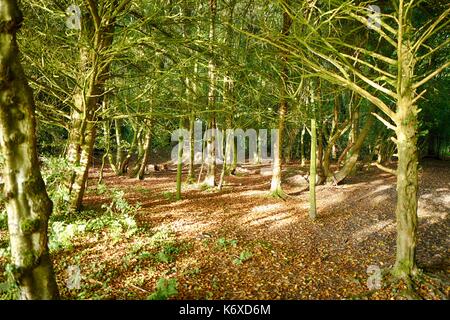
91	86
80	174
27	202
407	187
191	172
312	172
406	119
210	178
146	155
275	185
353	153
180	162
302	147
120	152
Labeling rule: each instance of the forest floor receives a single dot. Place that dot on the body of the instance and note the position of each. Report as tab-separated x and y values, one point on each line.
242	244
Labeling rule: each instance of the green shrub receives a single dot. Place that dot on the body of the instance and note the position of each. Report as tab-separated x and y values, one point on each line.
244	256
223	243
3	220
165	288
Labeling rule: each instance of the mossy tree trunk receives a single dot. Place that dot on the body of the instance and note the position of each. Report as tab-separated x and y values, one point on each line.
406	120
95	41
27	202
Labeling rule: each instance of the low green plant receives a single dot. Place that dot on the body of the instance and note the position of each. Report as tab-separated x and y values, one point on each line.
55	172
101	189
61	234
9	289
169	196
165	289
3	220
244	256
224	243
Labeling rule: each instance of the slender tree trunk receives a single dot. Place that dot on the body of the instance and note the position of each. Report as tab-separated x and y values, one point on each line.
275	185
352	154
319	168
180	162
302	147
191	171
123	165
120	152
146	155
210	178
235	155
27	202
329	149
78	186
312	171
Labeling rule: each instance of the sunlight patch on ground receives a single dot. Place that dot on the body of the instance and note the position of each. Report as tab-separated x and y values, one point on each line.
382	188
187	228
250	193
386	225
379	199
275	220
446	199
266	208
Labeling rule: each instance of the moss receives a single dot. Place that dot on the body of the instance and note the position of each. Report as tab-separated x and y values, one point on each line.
30	225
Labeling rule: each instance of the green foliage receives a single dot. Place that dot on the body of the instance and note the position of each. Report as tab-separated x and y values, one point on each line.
244	256
169	196
51	139
101	189
61	234
118	219
165	289
224	243
3	220
9	289
55	172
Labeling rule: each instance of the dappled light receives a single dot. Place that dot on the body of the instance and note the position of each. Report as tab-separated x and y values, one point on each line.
224	150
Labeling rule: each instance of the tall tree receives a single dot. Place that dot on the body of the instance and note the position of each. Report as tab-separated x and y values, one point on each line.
210	178
275	186
379	76
27	202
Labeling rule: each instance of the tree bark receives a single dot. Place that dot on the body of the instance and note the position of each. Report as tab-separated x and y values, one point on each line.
27	202
210	178
406	119
191	171
312	171
94	70
275	185
352	154
146	155
180	162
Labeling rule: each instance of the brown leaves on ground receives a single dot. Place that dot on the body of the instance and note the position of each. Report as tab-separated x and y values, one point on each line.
241	244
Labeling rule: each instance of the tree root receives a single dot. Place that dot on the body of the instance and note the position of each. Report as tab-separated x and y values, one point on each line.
423	286
419	286
278	194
